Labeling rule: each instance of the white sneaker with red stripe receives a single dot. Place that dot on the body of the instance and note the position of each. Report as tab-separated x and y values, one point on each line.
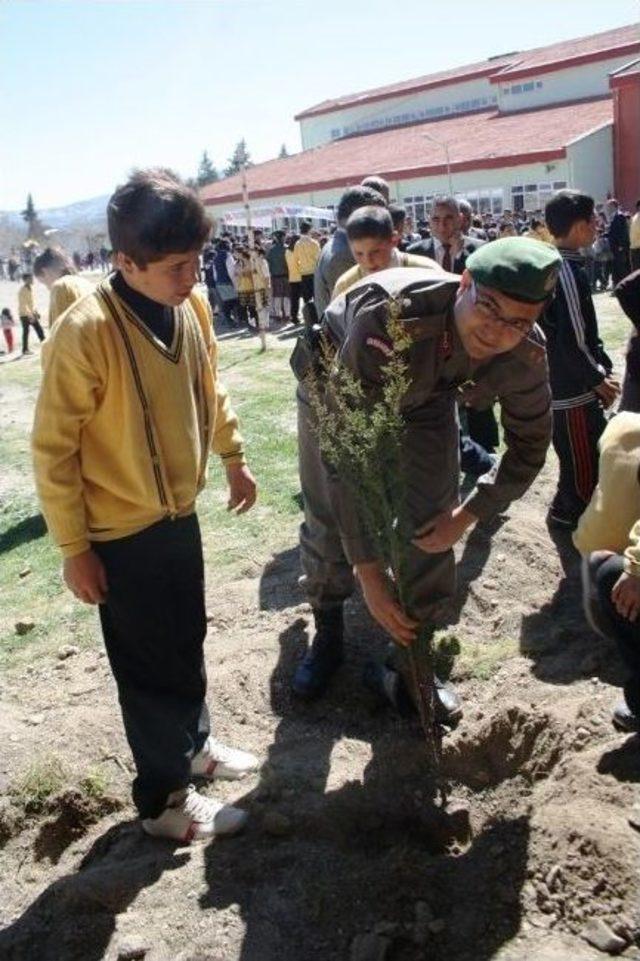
216	760
190	816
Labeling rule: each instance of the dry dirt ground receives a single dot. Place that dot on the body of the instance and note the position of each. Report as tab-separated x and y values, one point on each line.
342	858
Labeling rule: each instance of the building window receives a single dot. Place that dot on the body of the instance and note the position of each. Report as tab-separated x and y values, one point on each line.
534	196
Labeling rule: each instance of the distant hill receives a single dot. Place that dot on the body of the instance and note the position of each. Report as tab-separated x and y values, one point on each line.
78	226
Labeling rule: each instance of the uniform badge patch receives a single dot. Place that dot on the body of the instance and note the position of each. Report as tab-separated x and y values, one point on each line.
380	345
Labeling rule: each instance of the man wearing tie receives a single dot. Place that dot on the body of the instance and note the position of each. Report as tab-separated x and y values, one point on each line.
450	248
447	244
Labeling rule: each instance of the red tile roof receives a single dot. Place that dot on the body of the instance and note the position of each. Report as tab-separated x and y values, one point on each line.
597	46
475	141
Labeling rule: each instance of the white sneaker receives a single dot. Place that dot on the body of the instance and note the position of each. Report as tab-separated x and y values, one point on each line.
216	760
190	816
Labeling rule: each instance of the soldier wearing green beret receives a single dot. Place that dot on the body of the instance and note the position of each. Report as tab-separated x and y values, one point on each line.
473	334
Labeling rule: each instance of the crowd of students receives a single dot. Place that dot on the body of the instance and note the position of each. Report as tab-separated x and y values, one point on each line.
482	303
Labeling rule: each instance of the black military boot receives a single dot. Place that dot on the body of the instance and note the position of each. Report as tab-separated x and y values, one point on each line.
390	688
324	657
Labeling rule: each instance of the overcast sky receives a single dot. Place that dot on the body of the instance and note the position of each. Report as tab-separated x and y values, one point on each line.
91	88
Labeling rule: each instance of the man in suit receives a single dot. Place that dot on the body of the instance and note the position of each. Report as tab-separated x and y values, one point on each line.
618	235
451	248
447	244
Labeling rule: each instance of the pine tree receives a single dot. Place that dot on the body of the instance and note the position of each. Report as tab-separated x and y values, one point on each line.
283	152
30	215
240	158
207	173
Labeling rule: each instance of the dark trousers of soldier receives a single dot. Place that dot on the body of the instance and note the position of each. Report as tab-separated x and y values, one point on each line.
621	265
26	324
576	432
599	577
430	470
483	428
306	287
154	625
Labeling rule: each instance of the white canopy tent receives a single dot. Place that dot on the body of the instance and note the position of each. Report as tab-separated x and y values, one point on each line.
280	217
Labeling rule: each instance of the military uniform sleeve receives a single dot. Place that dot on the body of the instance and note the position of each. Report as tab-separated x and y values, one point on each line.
525	399
321	287
68	397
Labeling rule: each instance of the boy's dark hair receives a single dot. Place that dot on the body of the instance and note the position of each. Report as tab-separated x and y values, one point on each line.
379	184
370	222
305	226
53	259
155	214
27	276
442	200
398	216
355	197
567	208
6	312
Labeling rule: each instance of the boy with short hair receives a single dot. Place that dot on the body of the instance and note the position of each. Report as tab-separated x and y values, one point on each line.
580	370
129	408
56	271
307	254
372	239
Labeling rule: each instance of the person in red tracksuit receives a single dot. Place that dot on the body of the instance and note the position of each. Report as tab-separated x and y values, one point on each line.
579	368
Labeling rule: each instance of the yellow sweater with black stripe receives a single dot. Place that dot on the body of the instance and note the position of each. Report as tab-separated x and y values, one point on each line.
124	425
64	292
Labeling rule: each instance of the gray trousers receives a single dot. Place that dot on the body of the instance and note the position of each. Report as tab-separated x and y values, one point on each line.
430	467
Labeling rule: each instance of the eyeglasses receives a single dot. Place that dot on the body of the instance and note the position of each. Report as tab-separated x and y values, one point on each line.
490	311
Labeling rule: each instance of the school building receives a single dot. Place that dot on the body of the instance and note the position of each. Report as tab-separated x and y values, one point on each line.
504	133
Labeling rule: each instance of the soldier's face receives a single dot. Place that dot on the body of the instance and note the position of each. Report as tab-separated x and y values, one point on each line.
372	253
489	322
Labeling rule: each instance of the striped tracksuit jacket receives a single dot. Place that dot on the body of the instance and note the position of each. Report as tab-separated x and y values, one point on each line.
577	364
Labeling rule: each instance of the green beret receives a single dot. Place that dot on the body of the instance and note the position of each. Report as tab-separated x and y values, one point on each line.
520	267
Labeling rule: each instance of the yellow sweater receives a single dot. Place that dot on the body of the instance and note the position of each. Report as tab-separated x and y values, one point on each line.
123	425
306	253
292	266
64	292
398	259
612	519
26	307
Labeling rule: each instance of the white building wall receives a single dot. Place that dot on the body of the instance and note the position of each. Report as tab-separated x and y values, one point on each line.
539	175
590	163
476	94
572	83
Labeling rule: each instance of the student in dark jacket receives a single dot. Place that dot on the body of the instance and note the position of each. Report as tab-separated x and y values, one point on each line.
580	370
628	294
277	260
618	235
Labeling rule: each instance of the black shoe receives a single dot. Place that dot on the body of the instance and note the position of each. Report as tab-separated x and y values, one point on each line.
323	658
559	521
388	685
623	718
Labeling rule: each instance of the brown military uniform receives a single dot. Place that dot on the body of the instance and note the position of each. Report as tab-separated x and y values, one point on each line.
331	537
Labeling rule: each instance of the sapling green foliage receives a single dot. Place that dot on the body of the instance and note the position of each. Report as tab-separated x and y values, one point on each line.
360	433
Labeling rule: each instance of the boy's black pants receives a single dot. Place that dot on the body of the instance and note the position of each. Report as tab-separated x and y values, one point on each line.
154	625
576	432
601	577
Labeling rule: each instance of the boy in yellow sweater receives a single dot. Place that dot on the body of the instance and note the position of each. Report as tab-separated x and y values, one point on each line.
608	537
129	408
55	270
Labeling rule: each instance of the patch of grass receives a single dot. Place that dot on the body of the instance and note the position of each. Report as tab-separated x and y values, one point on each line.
481	660
95	784
41	781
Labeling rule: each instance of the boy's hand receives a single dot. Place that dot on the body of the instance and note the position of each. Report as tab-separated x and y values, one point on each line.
383	606
444	530
626	596
86	577
608	390
242	488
